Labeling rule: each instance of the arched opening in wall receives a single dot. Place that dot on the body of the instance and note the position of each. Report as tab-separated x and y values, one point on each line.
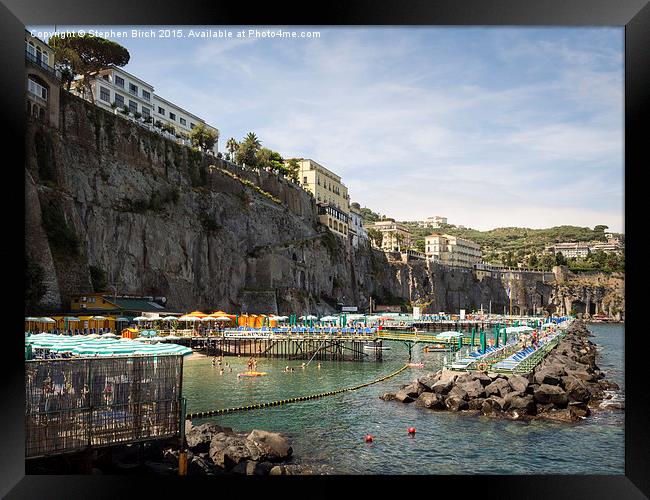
578	307
41	113
516	310
592	308
302	279
294	257
551	309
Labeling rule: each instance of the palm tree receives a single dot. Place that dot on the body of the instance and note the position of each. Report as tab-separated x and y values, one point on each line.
252	140
232	146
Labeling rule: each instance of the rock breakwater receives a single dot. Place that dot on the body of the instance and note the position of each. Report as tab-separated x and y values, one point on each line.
566	386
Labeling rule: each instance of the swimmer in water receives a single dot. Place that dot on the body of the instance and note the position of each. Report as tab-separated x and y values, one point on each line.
303	366
221	371
319	366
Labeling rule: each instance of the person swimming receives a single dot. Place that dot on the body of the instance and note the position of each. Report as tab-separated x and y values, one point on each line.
318	366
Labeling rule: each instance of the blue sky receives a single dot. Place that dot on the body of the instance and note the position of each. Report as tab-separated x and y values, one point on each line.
490	127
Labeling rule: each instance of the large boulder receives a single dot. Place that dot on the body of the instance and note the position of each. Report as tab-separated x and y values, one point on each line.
388	396
500	387
576	389
454	403
482	377
404	397
492	406
518	383
458	392
578	410
273	446
476	403
521	405
227	451
253	468
582	374
442	386
428	380
199	437
473	389
551	394
608	385
550	375
413	390
431	400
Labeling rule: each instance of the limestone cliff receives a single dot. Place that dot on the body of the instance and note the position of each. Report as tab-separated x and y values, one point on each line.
104	195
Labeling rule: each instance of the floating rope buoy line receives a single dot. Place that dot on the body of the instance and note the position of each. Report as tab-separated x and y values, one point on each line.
205	414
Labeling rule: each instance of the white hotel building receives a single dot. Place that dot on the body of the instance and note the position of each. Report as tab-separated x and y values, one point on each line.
114	85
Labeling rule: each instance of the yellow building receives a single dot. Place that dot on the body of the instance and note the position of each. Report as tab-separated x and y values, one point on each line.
330	193
395	237
452	250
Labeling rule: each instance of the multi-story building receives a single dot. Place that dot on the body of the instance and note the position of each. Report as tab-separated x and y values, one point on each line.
115	89
569	250
452	250
330	193
611	246
358	233
43	81
395	237
433	222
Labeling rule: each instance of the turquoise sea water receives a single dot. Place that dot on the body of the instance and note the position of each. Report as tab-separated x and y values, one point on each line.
328	434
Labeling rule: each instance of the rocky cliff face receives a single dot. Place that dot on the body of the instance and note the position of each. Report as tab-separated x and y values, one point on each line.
108	199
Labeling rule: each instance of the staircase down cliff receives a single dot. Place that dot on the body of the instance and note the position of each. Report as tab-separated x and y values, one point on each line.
105	197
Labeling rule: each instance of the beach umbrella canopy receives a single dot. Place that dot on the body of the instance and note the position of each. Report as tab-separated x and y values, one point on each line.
170	318
31	318
197	314
187	317
222	318
46	320
140	318
98	317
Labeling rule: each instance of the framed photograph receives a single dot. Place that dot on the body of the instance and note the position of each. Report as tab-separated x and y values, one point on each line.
367	246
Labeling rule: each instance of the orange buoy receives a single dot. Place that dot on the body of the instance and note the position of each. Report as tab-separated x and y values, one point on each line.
411	430
369	438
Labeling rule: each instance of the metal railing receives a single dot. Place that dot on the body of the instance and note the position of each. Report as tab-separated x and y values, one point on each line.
39	62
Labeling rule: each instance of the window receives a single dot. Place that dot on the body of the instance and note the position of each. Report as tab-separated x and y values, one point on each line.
304	180
172	116
31	49
133	89
192	125
133	106
119	81
146	112
104	94
119	99
161	111
146	95
183	121
36	89
105	77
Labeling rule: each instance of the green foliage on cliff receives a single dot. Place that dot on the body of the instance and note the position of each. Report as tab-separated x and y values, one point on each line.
251	185
98	278
34	287
62	238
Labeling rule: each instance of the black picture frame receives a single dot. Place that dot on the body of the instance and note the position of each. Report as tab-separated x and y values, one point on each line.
634	15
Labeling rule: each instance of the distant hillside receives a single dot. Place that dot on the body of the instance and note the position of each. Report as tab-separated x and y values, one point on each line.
517	245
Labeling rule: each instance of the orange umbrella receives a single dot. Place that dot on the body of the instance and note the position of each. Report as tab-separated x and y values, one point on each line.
197	314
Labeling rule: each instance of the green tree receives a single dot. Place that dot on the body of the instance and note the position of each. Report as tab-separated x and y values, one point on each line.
248	149
293	168
547	261
203	137
375	236
560	260
66	60
93	54
533	261
267	158
232	145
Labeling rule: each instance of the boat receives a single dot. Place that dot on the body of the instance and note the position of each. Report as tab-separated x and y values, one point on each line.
252	374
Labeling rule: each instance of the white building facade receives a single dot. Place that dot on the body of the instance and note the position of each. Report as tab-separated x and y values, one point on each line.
358	233
115	90
569	250
452	250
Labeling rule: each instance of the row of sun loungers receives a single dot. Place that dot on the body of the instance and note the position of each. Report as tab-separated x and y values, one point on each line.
477	356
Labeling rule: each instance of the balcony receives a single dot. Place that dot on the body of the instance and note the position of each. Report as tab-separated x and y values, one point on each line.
36	61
